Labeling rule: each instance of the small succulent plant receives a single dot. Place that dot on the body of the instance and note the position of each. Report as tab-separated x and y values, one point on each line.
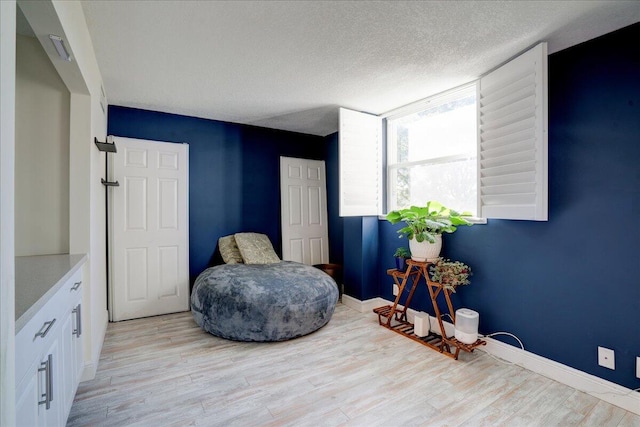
450	274
402	252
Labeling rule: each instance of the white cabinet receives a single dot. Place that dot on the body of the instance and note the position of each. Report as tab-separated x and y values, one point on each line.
78	352
50	405
67	361
27	392
72	360
49	358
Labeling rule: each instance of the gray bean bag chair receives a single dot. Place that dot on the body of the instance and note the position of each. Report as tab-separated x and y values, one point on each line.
269	302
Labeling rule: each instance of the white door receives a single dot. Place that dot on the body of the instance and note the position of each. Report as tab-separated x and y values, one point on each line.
305	234
149	229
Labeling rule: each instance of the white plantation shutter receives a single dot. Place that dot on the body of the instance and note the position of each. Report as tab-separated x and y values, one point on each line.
512	127
360	157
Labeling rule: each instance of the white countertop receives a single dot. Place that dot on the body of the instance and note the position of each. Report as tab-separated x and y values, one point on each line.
38	278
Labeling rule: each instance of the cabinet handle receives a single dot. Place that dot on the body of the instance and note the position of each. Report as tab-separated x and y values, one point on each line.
78	311
76	286
47	368
46	326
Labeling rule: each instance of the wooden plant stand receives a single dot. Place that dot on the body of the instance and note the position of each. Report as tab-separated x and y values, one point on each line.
396	317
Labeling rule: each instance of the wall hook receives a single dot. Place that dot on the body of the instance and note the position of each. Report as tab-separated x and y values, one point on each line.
107	147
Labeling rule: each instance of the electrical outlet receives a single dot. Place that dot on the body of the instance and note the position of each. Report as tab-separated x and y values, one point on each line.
637	367
606	358
396	290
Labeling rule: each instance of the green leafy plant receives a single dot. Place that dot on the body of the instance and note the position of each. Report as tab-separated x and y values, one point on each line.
450	274
423	223
402	252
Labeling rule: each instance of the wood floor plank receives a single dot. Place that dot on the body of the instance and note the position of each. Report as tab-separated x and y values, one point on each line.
166	371
630	420
499	411
581	403
604	415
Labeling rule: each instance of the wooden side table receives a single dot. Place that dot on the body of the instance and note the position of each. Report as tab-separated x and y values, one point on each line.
396	314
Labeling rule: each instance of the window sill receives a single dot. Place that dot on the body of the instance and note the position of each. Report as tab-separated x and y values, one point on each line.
474	219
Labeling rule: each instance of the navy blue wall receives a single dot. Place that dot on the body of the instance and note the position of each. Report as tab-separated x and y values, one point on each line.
571	284
234	173
361	248
336	224
564	286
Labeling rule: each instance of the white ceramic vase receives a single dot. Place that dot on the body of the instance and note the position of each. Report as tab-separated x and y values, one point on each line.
425	251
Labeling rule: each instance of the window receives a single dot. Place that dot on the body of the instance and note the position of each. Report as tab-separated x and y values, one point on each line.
431	152
480	148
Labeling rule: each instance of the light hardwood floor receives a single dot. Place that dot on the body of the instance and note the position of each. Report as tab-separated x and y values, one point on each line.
165	371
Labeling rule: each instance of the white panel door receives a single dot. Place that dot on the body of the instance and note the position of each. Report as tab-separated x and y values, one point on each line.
149	250
305	234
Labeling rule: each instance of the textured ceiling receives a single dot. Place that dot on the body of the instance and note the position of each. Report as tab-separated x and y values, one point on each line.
289	65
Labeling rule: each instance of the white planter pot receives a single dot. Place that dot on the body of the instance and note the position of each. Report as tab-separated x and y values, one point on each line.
425	251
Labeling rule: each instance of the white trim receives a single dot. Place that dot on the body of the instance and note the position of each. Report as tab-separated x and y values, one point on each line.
430	101
362	306
608	391
602	389
471	219
432	161
7	213
91	367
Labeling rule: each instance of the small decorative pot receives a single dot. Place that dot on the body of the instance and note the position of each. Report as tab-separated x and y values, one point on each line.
401	263
425	251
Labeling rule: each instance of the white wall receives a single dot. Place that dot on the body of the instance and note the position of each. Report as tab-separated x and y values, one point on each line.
42	153
7	273
86	164
87	167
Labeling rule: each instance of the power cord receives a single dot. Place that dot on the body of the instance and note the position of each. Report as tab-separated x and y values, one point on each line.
507	334
503	333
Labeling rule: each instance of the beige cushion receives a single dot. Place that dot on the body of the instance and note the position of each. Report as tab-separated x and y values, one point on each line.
229	250
256	248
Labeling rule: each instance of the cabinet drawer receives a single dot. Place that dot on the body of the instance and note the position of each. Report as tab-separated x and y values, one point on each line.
36	335
73	286
71	290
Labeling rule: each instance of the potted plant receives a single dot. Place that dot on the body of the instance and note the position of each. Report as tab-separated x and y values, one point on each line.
450	274
401	254
425	225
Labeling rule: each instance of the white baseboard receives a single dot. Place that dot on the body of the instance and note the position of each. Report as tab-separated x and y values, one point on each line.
362	306
608	391
91	366
88	372
605	390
